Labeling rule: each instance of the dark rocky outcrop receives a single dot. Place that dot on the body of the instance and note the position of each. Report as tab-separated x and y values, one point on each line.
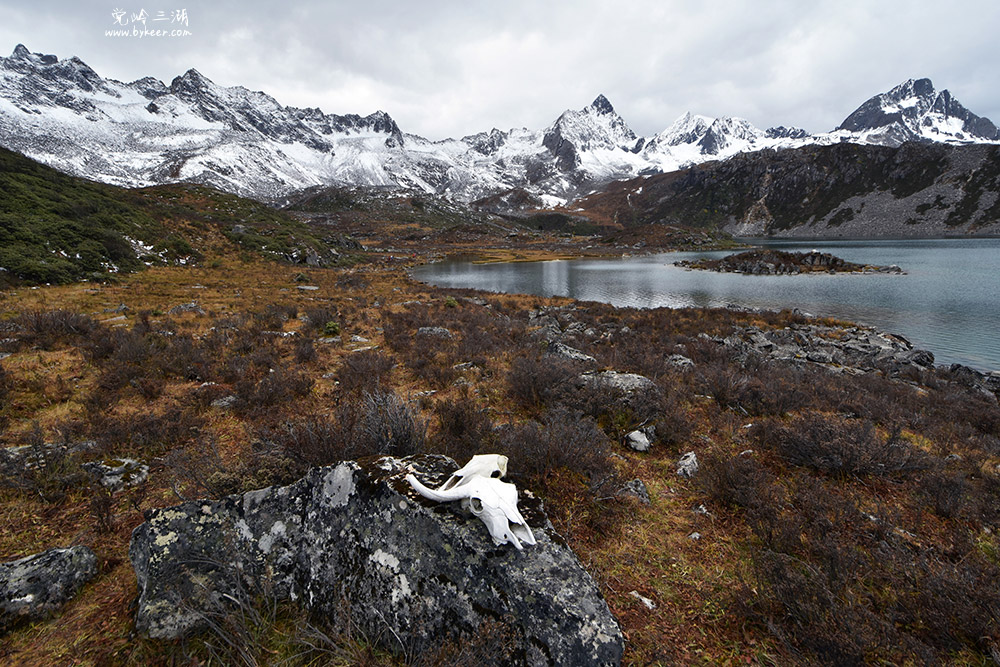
355	538
768	262
33	588
843	190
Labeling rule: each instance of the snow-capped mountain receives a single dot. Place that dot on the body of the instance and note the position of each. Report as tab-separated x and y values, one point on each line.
61	112
914	111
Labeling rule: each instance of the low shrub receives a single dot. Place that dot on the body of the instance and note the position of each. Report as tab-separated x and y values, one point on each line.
562	440
46	328
276	387
143	433
464	428
839	446
536	381
389	425
364	371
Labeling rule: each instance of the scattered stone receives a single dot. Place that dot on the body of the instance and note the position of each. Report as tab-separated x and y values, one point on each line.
694	536
649	604
854	348
703	511
119	318
359	339
224	403
356	539
190	307
307	288
680	361
687	466
329	340
33	456
563	351
33	588
121	309
638	441
436	332
626	383
637	489
117	474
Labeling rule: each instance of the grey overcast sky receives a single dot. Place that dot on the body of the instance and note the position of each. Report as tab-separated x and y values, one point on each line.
447	69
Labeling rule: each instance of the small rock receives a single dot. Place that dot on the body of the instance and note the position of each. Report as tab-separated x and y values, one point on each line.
557	349
694	536
224	403
680	361
117	474
33	588
702	510
190	307
637	489
307	288
638	441
687	466
359	339
437	332
627	383
649	604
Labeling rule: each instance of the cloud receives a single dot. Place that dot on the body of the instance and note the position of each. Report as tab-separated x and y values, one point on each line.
448	69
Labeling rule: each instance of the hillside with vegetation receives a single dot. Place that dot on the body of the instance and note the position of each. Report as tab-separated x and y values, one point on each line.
56	228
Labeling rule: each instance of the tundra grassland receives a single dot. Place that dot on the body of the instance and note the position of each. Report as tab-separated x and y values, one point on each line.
837	517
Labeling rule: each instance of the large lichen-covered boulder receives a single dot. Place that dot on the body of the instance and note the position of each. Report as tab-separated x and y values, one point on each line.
355	538
34	587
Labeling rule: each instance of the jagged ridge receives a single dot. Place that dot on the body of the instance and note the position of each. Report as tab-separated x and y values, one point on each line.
145	132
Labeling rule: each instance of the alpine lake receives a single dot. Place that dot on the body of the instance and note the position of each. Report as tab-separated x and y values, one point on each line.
948	300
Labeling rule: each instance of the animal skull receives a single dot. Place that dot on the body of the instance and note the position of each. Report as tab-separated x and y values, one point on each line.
480	465
478	486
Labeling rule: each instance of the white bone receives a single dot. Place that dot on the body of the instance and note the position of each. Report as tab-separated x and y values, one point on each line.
482	465
493	501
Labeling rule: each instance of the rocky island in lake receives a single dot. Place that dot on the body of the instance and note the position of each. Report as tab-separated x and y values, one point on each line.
777	262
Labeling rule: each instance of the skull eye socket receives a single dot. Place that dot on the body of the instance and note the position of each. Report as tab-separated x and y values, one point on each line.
476	504
495	474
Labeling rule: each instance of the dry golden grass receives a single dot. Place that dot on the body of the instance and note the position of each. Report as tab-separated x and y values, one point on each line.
695	584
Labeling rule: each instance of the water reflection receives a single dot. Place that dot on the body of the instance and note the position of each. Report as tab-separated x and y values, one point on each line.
947	302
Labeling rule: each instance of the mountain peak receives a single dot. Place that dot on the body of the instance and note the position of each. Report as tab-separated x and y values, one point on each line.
601	105
914	111
22	54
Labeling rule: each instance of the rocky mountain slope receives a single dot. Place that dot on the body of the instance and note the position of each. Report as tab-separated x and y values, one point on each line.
843	190
63	113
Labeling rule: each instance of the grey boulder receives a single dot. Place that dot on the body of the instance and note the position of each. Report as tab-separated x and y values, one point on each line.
356	539
33	588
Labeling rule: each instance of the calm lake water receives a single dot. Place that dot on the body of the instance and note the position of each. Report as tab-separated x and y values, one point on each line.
948	302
